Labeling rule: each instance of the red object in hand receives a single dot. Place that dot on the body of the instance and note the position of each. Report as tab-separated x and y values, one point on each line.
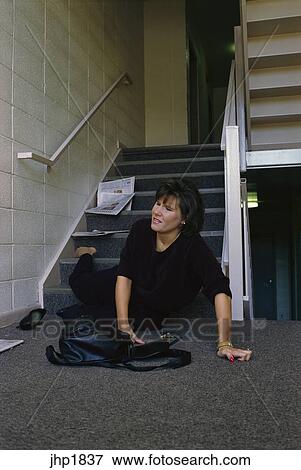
232	359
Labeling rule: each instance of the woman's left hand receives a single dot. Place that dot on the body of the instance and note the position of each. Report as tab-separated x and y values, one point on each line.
233	353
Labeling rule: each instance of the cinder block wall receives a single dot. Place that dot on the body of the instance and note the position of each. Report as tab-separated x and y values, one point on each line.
85	44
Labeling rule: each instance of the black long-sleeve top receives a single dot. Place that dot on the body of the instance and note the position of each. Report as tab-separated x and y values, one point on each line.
163	282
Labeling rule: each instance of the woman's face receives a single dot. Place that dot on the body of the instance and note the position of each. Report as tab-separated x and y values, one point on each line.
166	215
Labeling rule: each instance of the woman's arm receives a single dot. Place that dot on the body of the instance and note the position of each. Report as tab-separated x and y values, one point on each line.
222	303
123	290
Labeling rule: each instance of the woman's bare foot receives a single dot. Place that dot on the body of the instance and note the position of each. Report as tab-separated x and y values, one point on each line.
82	250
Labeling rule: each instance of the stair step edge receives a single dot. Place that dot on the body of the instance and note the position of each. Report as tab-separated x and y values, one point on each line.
171	148
98	260
207	233
171	175
201	191
209	210
175	160
274	118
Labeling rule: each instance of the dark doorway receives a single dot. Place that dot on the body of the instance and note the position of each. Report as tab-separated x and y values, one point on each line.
275	227
210	50
264	277
193	98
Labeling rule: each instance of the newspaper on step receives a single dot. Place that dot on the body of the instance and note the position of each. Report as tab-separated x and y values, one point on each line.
98	233
113	196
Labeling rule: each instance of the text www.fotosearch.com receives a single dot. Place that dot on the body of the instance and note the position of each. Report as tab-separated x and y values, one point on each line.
83	460
180	460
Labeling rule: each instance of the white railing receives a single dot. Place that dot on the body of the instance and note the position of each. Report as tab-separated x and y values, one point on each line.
50	161
248	286
233	250
236	255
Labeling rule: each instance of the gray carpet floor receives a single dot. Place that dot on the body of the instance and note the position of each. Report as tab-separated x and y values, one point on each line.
209	404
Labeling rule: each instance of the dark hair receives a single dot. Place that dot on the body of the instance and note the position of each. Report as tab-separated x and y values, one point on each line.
189	200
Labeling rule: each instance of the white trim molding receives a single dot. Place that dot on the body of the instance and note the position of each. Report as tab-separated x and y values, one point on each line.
273	158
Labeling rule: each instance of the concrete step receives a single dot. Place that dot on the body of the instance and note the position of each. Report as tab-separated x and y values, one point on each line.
171	152
59	297
179	165
275	109
263	10
212	179
282	81
212	197
214	220
67	266
276	118
275	60
110	246
266	26
276	135
274	50
265	92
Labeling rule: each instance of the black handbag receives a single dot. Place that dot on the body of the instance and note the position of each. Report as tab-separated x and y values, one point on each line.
84	344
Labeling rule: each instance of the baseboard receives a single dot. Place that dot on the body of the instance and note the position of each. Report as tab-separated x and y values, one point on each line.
13	316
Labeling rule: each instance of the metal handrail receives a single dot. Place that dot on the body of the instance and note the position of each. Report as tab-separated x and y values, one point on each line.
230	114
229	119
124	78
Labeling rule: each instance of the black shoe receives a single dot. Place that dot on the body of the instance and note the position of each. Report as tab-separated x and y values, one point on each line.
32	319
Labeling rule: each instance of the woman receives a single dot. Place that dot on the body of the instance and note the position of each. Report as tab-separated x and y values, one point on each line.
163	266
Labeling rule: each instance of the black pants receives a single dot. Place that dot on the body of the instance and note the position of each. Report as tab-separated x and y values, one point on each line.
95	289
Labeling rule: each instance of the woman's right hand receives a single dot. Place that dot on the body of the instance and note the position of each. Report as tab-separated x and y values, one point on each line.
133	336
123	290
136	339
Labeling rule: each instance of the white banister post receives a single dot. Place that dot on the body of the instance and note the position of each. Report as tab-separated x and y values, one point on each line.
225	251
234	221
247	249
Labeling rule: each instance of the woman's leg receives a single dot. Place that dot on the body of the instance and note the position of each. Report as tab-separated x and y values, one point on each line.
93	287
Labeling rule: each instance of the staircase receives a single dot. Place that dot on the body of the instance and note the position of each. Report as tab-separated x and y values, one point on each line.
272	41
151	166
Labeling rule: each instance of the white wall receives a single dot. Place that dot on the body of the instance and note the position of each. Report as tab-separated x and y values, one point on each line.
165	72
87	45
